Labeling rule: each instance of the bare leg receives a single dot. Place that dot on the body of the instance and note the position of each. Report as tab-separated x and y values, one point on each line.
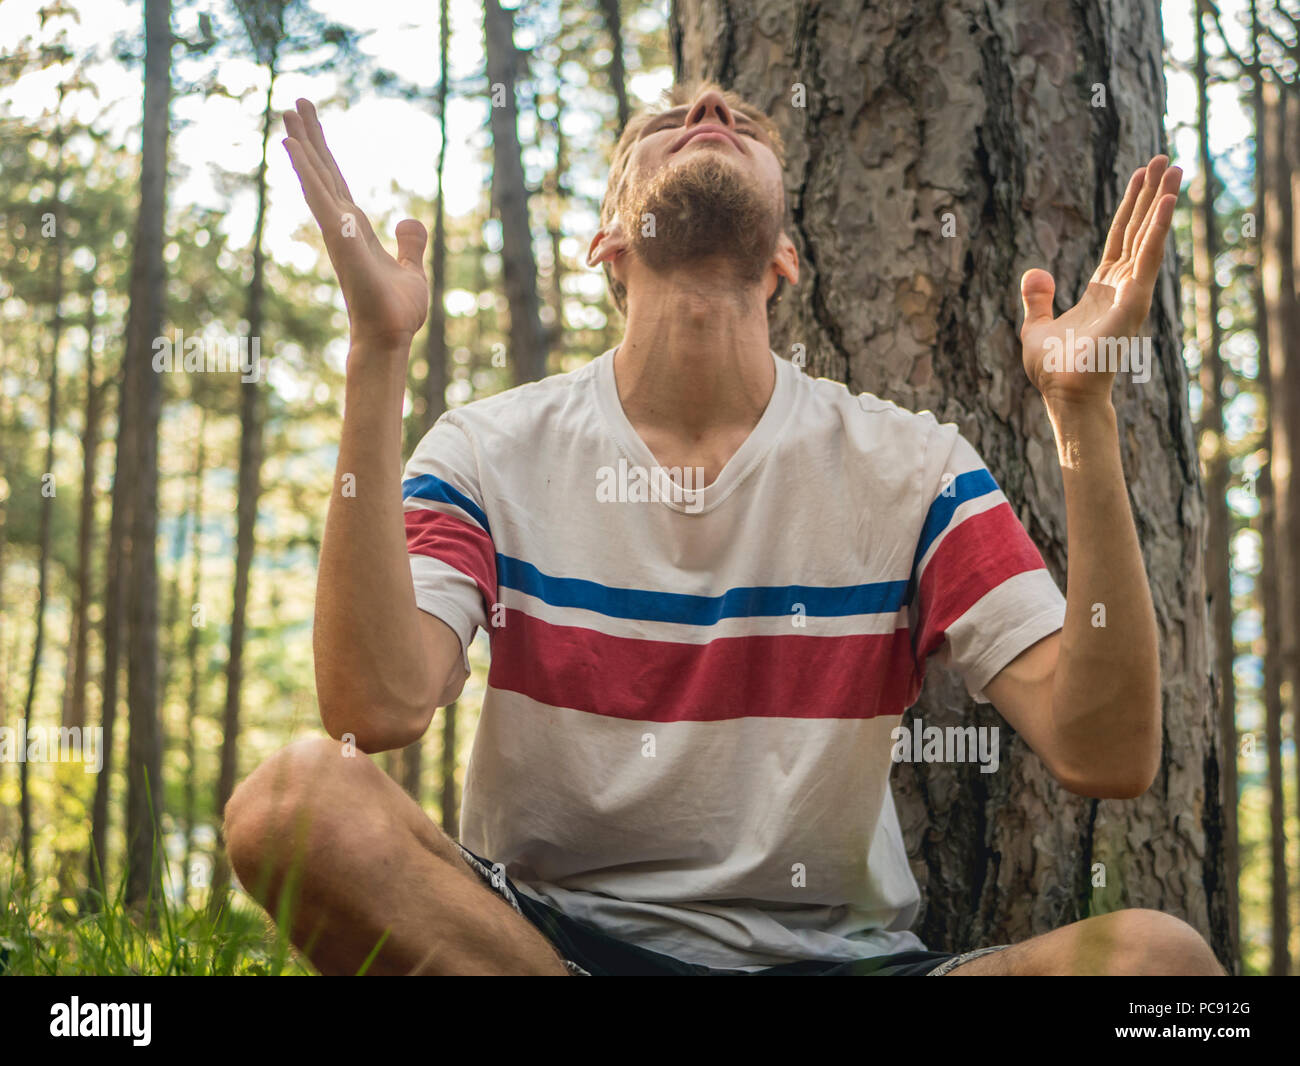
354	857
1124	943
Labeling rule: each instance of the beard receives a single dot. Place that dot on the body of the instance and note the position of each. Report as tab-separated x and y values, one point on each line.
703	208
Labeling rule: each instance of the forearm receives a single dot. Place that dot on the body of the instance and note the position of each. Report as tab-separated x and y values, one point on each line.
373	678
1106	692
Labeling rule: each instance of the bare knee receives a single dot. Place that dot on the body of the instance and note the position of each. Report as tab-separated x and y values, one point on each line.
287	809
1152	943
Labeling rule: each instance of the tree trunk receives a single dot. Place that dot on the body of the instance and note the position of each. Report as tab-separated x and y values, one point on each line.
48	490
903	121
74	704
117	565
447	802
510	197
435	343
1218	575
144	323
617	70
192	645
1277	282
555	224
250	469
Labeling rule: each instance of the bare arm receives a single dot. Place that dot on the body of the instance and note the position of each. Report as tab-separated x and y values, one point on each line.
1087	700
381	663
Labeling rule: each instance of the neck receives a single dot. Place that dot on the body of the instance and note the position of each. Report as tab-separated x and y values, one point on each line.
695	355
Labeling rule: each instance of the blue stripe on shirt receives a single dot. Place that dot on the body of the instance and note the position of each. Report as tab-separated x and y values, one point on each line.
428	487
881	597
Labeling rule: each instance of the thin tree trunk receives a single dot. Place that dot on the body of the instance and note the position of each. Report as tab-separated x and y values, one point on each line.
996	139
48	491
1287	381
510	196
74	704
556	226
435	347
144	323
117	565
447	801
617	70
409	773
192	644
250	466
1205	252
1275	278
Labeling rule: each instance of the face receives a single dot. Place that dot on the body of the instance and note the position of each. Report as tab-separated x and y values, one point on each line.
703	183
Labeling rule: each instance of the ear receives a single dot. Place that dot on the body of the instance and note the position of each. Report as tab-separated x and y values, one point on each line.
608	244
785	264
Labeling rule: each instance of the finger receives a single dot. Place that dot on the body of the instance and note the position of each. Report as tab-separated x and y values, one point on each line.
1152	248
319	199
297	130
1037	287
1155	171
343	216
411	239
1115	238
316	137
1169	186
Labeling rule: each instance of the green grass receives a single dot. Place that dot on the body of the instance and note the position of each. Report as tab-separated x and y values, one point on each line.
102	935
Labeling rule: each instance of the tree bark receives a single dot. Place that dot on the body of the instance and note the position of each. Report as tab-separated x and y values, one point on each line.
74	704
249	492
1218	571
144	323
1278	588
906	122
447	801
527	354
617	70
48	491
192	646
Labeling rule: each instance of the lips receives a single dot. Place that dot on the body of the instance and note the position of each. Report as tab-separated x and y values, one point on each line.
711	128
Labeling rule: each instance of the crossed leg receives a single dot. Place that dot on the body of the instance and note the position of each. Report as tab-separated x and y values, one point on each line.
353	857
1131	942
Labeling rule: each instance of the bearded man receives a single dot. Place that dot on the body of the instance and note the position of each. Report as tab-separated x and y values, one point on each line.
682	763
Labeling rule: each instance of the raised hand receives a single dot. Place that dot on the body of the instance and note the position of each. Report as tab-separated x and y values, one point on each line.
387	298
1117	299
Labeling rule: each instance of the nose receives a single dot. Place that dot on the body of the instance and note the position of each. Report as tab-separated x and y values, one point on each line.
709	106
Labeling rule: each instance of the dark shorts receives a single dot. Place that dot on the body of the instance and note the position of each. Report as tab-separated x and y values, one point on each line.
587	952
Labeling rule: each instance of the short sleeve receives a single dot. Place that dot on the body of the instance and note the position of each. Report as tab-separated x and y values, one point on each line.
980	592
448	538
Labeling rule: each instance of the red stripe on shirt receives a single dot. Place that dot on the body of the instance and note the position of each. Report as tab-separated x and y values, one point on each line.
794	676
457	543
971	561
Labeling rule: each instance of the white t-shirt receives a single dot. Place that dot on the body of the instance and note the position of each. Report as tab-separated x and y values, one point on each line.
685	740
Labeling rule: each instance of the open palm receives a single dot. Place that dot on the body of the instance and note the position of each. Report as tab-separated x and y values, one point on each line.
387	298
1118	296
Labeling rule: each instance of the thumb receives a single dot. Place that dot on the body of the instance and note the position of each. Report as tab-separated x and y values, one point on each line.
1037	288
411	238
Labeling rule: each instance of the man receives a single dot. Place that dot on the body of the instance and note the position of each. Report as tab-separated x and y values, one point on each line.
711	584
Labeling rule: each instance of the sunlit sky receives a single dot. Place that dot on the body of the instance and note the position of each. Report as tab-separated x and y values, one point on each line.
387	147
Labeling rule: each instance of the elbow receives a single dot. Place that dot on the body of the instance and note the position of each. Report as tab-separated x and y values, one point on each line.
372	726
1117	783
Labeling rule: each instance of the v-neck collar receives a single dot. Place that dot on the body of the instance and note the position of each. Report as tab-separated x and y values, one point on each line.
746	457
